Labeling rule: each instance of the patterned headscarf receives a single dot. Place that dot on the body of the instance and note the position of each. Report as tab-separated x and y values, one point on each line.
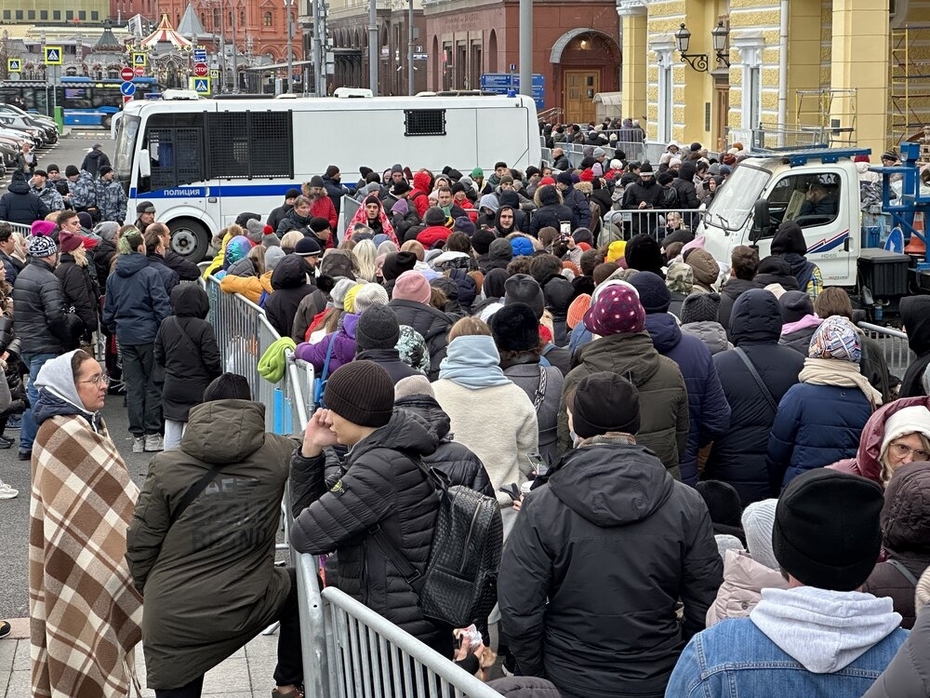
616	310
836	338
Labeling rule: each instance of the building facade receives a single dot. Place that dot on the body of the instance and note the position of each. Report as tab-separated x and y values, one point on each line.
54	11
576	48
839	72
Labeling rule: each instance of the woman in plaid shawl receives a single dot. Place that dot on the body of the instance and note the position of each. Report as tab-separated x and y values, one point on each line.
85	615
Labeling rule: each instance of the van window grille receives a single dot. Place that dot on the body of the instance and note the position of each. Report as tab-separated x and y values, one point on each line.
424	122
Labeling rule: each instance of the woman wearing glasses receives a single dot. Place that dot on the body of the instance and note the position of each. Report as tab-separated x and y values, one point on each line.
897	434
85	614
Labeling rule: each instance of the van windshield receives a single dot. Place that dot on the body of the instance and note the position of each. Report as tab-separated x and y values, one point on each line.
733	203
127	131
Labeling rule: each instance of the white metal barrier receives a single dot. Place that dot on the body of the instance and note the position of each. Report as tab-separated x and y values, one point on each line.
898	354
24	230
349	651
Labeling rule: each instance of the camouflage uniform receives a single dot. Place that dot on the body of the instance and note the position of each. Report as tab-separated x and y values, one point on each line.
111	200
50	196
83	192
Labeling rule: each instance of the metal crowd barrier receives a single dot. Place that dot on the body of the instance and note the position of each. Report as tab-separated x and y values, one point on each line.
24	230
898	354
649	220
360	653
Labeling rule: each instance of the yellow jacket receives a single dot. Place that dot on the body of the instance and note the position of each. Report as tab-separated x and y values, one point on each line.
249	286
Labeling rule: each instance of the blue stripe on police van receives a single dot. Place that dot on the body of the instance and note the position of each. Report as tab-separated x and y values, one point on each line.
184	192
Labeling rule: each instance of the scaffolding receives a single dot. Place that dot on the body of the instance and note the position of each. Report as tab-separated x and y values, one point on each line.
829	115
909	81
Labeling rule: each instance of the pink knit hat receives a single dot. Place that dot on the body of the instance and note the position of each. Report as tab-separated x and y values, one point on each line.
616	310
412	286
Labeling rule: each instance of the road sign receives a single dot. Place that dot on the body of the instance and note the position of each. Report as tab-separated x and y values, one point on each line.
53	55
502	83
126	74
138	59
140	71
201	70
214	73
200	85
14	65
200	55
126	99
128	89
513	67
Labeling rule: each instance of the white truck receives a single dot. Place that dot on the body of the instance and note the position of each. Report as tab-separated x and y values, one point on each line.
820	190
202	162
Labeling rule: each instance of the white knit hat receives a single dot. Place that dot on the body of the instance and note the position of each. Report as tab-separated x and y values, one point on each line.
910	420
369	295
758	520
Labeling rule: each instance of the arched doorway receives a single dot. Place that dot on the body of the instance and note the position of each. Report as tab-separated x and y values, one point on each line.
492	52
585	62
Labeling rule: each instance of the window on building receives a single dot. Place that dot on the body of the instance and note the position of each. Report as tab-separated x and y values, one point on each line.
753	88
82	15
7	14
30	14
241	18
69	15
43	14
267	19
216	18
56	15
809	199
94	16
19	15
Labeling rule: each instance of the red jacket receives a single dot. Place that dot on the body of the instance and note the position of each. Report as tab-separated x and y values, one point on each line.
433	234
866	463
419	197
323	207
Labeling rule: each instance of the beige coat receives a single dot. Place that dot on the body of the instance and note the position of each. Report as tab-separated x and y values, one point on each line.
743	582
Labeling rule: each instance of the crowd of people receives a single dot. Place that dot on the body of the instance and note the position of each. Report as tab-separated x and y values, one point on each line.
708	480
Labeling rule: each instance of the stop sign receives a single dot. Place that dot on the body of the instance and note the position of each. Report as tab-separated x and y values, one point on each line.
126	73
140	71
201	70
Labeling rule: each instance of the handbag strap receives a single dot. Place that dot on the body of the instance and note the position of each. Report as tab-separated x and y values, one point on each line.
905	572
766	393
195	491
540	389
184	337
329	355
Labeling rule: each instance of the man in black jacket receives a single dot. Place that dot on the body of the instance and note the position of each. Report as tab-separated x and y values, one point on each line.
39	318
600	556
7	245
277	215
20	204
379	486
738	457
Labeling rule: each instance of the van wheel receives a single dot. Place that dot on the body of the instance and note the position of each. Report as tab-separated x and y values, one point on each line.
189	238
106	121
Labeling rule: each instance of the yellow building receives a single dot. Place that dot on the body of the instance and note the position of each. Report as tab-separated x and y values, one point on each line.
55	11
843	72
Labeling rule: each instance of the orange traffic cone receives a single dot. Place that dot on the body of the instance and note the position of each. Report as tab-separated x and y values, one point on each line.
916	246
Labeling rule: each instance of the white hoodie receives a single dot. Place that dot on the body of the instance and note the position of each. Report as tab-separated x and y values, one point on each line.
824	630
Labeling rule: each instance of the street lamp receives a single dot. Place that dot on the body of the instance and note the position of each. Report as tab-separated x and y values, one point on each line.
290	42
700	61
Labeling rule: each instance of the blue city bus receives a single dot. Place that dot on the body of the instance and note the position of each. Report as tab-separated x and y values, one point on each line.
85	101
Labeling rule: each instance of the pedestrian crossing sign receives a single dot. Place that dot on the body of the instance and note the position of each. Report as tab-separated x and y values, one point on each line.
138	59
14	65
200	85
53	55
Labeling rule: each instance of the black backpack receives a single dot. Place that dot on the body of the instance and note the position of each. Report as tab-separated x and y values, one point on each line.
459	586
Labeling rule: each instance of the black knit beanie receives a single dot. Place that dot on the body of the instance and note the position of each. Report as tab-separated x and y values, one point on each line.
229	386
377	328
361	392
605	402
397	263
700	307
827	531
724	505
515	328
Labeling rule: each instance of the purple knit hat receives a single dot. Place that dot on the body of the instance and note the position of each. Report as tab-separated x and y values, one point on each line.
616	310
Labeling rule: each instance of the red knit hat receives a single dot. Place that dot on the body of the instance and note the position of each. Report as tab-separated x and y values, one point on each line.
616	310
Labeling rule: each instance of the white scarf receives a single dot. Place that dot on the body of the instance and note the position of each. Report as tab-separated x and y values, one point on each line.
840	373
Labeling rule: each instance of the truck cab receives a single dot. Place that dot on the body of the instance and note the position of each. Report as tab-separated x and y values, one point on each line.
817	189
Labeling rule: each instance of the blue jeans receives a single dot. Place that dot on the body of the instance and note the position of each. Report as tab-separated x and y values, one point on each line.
27	433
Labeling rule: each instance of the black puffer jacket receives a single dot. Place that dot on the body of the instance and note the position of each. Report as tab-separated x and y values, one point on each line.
186	348
583	533
289	281
684	185
738	457
431	323
455	460
38	310
184	268
78	292
19	204
550	211
377	485
905	537
731	290
915	313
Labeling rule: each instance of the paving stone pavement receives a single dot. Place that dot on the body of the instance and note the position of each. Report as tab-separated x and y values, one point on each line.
246	674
